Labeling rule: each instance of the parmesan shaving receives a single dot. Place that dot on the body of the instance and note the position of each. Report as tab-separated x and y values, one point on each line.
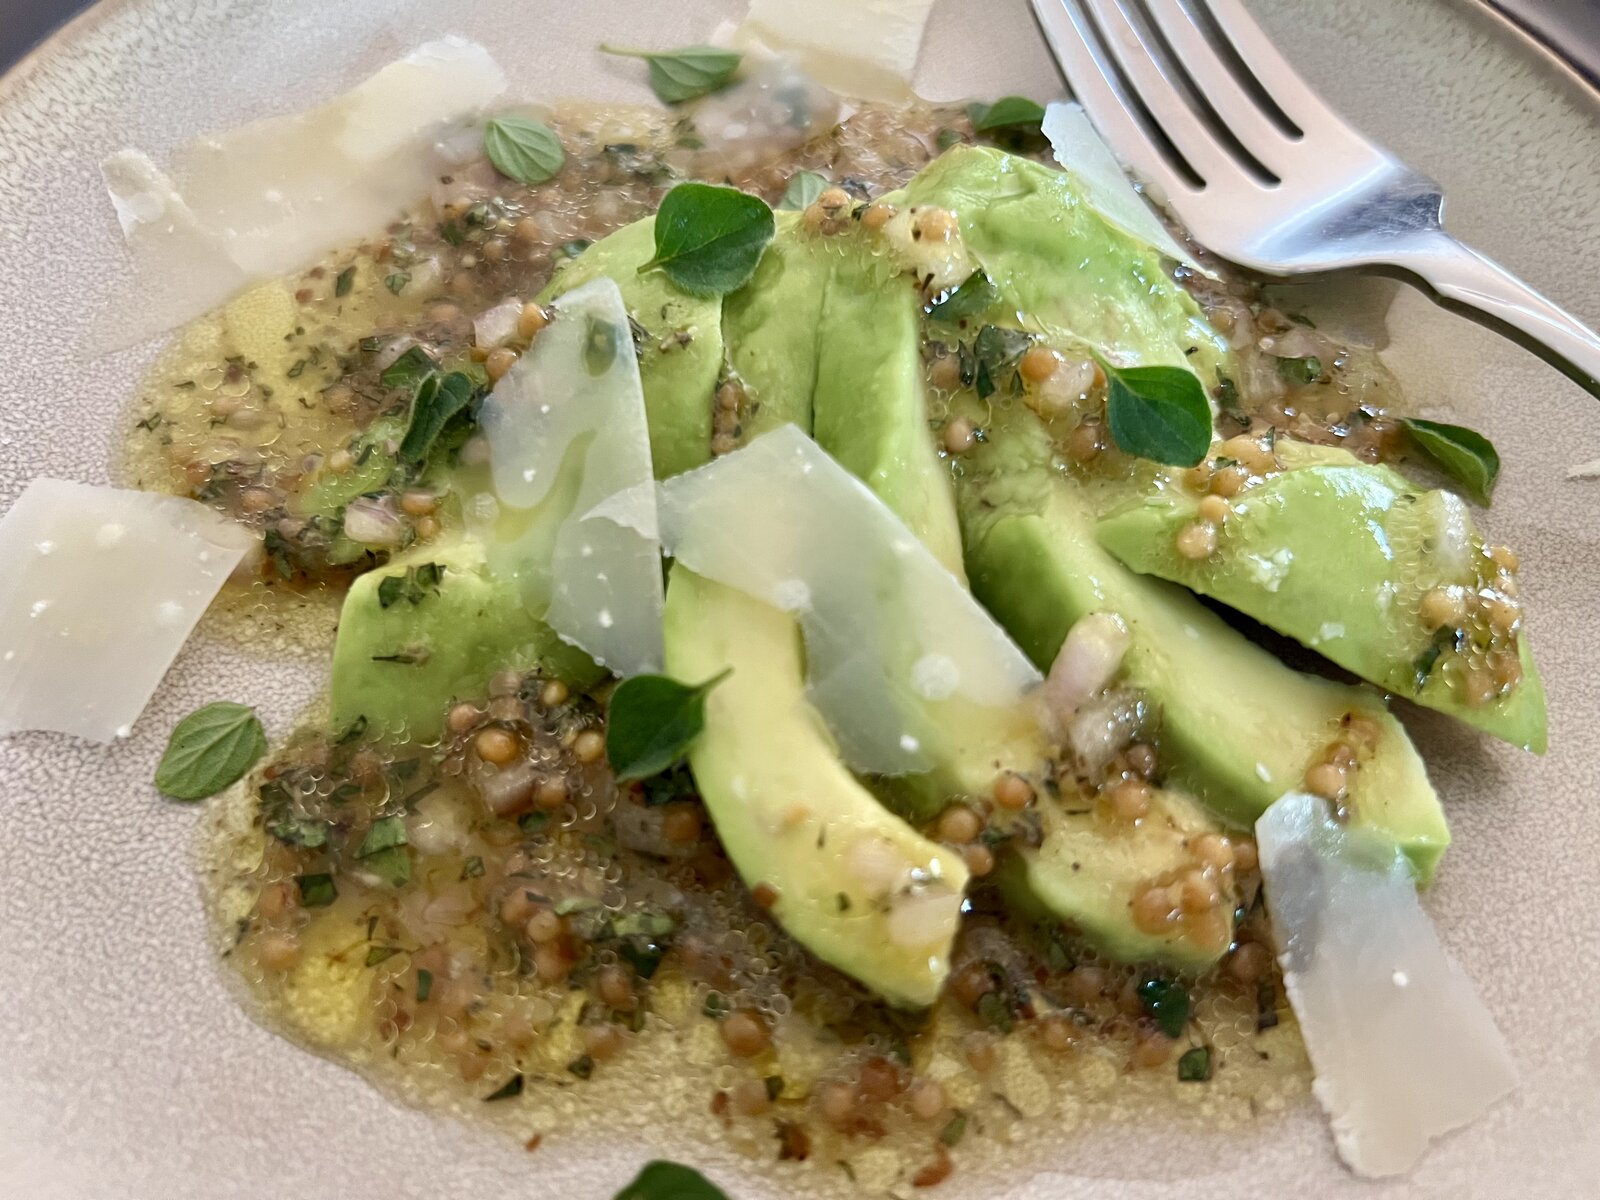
1585	470
567	433
1106	186
1403	1046
102	588
890	634
273	196
866	49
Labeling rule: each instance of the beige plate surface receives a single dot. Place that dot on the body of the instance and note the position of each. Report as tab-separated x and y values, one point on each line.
126	1071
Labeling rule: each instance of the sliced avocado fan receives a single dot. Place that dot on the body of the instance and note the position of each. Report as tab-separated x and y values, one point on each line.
1238	727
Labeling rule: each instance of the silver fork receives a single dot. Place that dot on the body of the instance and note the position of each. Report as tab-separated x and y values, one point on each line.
1196	100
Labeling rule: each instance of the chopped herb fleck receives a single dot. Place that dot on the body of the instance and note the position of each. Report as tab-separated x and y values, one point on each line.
582	1066
378	954
1195	1065
316	891
1166	1003
473	868
1302	371
954	1130
508	1090
424	984
344	282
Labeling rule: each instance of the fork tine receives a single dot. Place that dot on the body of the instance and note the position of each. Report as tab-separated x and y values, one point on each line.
1096	86
1272	71
1161	96
1216	81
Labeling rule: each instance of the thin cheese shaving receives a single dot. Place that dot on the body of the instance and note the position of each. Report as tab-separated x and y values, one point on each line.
1080	152
890	634
1403	1046
273	196
866	49
567	433
102	588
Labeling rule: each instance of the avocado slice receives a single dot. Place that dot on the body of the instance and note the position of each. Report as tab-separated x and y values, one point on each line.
1238	727
432	624
771	326
853	883
1338	554
1073	275
679	337
870	408
1088	873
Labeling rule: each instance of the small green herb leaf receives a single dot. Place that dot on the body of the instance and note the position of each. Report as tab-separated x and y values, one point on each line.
344	282
210	749
316	891
472	868
662	1180
1159	413
438	399
523	149
1463	454
1166	1003
1195	1065
378	954
709	239
298	831
396	281
424	984
1008	112
679	75
653	722
804	187
970	298
386	832
415	586
392	865
410	369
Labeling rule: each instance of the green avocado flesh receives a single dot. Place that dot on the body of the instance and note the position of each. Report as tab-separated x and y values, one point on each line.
771	329
871	409
396	666
1087	872
1238	728
1061	269
1338	554
792	817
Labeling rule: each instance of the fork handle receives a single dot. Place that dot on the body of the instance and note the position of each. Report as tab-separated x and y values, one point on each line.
1465	279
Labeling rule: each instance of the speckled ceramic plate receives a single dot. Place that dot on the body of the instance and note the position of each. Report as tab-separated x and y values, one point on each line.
128	1072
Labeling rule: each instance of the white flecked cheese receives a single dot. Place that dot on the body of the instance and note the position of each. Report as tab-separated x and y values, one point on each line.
1403	1046
101	588
273	196
890	634
567	432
